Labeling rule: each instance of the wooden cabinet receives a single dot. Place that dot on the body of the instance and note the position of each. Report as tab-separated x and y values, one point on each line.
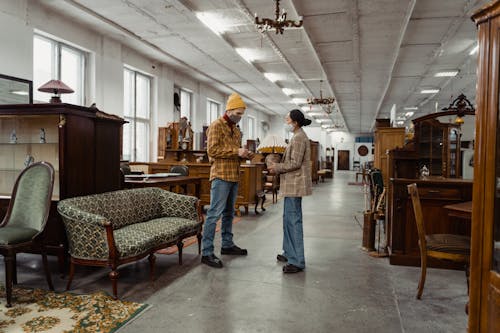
82	144
434	194
436	145
173	137
386	138
484	307
314	160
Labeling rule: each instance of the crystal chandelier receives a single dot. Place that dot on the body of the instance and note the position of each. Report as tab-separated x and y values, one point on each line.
279	23
325	102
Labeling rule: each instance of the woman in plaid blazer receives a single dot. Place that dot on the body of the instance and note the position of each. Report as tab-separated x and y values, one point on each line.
295	182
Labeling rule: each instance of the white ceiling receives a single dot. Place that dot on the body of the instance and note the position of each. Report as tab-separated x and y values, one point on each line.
368	54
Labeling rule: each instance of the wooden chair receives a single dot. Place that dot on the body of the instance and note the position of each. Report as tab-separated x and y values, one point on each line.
22	228
271	184
440	246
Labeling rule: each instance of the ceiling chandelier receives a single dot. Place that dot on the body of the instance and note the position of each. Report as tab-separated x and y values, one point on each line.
279	23
460	105
325	102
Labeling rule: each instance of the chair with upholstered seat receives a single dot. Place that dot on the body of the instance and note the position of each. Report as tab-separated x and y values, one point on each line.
183	170
22	228
439	246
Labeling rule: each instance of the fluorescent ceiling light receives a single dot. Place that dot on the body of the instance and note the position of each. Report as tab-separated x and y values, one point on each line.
327	120
446	74
315	113
273	77
247	54
474	50
318	121
212	21
19	92
287	91
429	91
409	114
299	100
306	109
410	108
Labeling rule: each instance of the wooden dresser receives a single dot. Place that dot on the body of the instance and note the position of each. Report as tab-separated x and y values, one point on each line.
434	193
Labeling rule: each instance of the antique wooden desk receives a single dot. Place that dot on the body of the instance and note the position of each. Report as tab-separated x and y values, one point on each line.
435	193
461	210
167	183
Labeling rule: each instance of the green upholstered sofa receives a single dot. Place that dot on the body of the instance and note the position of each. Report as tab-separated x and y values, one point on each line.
114	228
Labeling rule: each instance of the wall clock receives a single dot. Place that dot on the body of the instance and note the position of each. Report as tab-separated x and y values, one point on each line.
362	150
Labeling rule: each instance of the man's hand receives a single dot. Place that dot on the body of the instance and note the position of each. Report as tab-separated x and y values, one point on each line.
243	152
250	155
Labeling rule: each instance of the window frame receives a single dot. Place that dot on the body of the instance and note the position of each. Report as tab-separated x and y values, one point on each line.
133	119
183	91
57	47
210	103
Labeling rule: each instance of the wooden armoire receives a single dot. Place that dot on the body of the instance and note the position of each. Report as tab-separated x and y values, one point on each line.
386	138
484	307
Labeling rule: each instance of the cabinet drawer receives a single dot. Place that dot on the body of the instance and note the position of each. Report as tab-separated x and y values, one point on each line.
440	193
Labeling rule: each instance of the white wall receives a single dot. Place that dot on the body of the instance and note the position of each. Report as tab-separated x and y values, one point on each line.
343	141
20	19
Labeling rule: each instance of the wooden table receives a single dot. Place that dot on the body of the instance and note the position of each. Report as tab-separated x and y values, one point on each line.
167	183
461	210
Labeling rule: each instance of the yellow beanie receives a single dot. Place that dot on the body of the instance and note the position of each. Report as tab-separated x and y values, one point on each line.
235	102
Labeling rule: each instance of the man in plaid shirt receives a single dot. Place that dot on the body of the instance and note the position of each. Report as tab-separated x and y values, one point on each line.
225	154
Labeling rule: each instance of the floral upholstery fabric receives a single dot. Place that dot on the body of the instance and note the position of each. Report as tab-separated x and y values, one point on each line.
142	219
173	204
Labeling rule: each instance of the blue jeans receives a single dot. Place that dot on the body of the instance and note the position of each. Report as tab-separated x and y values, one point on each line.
222	199
293	235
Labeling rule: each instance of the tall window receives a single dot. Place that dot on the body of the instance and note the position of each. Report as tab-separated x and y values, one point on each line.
212	111
55	60
137	104
186	104
251	127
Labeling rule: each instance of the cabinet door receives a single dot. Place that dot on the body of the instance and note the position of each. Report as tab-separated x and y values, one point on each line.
484	310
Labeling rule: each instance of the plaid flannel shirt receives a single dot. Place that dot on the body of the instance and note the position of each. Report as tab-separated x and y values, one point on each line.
223	142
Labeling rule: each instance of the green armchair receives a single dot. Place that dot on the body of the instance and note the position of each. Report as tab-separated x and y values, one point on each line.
23	226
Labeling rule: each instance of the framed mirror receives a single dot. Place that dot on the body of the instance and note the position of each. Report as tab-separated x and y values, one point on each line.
14	90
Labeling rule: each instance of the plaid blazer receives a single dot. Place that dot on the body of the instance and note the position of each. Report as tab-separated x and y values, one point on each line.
295	167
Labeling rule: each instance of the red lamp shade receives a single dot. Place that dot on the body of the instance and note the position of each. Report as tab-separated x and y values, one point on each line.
57	87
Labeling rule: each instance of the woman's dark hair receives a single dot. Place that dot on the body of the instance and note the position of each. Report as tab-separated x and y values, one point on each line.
298	116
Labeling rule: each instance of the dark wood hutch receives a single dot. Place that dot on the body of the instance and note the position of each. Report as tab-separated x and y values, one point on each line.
83	144
436	144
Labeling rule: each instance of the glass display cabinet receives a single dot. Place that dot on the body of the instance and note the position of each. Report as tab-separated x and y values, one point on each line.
82	144
24	140
437	144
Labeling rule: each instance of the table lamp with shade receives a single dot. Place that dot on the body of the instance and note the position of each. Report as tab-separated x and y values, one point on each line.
57	87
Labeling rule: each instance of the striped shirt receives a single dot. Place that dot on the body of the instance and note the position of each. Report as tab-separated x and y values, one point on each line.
223	142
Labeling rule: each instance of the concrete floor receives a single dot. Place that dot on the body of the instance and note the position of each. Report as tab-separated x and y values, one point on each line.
342	290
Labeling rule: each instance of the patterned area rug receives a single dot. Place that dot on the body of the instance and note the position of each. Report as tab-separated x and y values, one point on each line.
36	310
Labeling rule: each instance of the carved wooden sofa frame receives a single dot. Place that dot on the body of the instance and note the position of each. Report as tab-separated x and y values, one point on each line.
115	228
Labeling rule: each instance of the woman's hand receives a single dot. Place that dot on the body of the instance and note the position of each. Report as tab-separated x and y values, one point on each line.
271	168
